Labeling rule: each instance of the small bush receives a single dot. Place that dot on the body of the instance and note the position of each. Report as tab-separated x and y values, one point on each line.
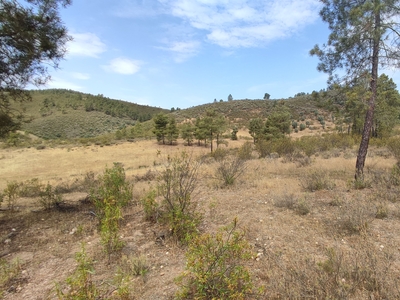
245	151
393	145
355	215
49	198
214	268
10	194
134	265
110	195
219	154
9	271
150	206
316	180
230	169
264	148
80	283
176	184
285	201
31	188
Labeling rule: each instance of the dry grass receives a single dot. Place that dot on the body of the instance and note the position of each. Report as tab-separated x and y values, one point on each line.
292	231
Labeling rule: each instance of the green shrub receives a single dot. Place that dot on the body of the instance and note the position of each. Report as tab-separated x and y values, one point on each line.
110	195
176	183
214	268
302	126
245	151
80	284
264	148
10	194
150	206
393	145
112	185
219	154
49	199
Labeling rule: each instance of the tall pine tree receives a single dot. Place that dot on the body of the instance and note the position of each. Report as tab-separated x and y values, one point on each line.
365	35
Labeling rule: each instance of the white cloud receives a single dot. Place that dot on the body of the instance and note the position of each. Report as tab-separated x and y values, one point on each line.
81	76
245	23
123	66
182	51
59	83
85	44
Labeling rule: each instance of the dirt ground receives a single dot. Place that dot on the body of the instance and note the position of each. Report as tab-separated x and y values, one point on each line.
45	242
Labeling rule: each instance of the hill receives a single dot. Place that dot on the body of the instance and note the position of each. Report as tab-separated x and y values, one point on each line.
58	113
240	112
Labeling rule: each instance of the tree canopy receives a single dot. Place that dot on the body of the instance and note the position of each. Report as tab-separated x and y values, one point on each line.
32	37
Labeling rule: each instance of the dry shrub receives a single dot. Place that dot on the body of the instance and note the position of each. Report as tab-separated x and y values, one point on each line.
245	151
355	215
285	201
148	176
230	169
362	272
290	201
316	180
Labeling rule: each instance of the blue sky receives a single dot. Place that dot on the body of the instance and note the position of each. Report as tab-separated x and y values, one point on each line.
183	53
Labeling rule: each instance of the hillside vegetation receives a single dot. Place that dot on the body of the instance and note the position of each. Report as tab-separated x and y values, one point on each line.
68	114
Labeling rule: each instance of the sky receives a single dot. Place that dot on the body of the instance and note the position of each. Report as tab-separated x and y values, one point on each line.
183	53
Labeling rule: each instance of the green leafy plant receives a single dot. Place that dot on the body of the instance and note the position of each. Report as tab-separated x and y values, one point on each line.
49	198
10	194
109	226
112	193
176	184
80	284
215	269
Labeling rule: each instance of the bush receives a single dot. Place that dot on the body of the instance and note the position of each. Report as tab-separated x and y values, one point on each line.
354	216
230	169
176	185
110	195
111	185
316	180
49	199
245	151
393	145
10	194
214	268
264	148
80	283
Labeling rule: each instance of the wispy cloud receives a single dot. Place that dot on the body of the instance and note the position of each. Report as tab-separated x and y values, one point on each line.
80	76
123	66
182	51
245	23
86	44
59	83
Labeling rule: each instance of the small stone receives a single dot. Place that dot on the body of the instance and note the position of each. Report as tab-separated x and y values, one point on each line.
7	241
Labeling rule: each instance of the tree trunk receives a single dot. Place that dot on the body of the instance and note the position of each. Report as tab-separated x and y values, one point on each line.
362	151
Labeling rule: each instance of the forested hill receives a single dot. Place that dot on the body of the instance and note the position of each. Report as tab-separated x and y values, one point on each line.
60	99
60	113
242	111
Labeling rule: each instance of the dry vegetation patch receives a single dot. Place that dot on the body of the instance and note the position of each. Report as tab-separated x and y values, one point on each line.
330	242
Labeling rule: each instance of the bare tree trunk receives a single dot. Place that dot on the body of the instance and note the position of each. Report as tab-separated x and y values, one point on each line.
362	151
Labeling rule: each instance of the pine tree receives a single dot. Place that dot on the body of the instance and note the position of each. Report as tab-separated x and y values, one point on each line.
32	37
364	35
